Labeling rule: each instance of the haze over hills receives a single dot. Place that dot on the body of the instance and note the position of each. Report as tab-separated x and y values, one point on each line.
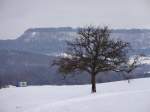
28	57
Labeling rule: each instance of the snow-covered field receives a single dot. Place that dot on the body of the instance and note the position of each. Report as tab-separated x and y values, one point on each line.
110	97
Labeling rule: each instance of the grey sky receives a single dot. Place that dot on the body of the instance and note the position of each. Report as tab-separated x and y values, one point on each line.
18	15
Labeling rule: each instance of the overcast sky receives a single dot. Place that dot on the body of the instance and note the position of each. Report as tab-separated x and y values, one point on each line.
18	15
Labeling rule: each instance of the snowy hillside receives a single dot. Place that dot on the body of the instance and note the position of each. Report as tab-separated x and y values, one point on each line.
110	97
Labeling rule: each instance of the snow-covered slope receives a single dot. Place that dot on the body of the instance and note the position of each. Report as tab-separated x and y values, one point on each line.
110	97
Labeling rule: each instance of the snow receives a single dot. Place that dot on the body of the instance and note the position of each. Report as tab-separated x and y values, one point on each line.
141	60
33	34
117	96
145	60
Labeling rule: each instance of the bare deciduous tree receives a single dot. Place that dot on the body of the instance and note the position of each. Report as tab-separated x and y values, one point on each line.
129	67
93	51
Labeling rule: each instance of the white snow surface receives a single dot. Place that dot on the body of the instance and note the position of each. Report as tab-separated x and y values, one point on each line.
110	97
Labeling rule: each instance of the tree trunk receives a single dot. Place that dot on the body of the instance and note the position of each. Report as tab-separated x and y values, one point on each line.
93	82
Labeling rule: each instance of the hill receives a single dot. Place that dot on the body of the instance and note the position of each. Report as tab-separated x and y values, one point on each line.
111	97
52	41
28	58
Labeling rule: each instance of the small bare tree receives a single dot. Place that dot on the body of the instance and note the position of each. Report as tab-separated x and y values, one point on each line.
93	51
129	67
